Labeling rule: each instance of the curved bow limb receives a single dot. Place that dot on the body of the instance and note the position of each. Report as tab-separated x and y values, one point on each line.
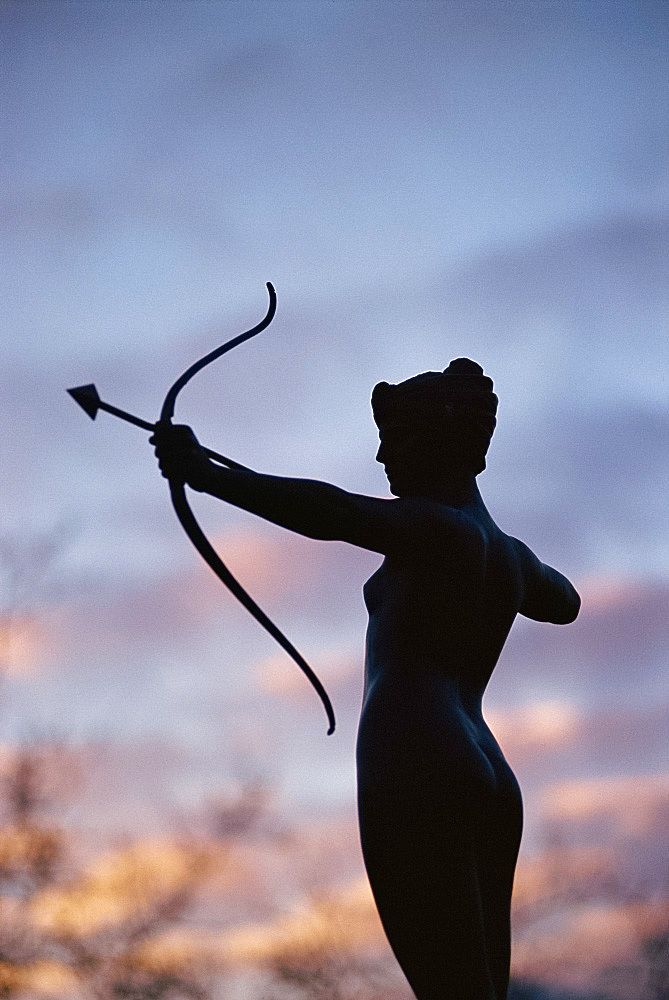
199	539
167	411
212	558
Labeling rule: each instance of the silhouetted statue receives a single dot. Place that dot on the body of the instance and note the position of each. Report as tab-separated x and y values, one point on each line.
440	809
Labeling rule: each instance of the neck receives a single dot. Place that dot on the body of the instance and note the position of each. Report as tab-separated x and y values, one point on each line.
457	489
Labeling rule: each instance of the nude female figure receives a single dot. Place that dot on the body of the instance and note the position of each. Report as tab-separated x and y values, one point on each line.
440	809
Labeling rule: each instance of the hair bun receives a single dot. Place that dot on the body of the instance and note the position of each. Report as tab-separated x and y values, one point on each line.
463	366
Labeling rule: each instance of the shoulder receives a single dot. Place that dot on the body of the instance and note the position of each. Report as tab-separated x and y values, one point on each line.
433	523
409	525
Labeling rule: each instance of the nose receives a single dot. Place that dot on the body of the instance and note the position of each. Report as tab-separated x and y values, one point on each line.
380	455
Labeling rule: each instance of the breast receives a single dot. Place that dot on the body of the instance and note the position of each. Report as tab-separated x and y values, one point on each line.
373	589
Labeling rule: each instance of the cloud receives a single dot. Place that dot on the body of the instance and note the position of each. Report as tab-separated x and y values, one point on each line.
27	641
311	584
549	268
338	669
633	806
568	266
275	567
103	789
569	322
544	738
606	593
615	649
572	454
309	593
535	727
70	218
63	212
589	486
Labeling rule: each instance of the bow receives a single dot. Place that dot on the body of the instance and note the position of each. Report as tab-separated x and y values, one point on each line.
87	397
197	536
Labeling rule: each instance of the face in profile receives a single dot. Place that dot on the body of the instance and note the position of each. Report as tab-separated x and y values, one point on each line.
405	456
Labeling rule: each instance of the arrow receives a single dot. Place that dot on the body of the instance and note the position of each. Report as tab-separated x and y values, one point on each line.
88	399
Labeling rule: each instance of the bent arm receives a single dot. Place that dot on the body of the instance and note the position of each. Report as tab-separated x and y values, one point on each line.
548	595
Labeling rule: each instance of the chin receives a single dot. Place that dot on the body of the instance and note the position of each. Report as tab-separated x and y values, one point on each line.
397	487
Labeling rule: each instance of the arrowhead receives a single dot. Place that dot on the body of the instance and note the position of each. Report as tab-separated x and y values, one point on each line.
87	397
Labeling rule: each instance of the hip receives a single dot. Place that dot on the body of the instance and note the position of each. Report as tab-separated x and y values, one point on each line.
430	739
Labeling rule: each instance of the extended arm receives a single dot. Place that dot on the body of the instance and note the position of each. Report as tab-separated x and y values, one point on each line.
548	595
311	508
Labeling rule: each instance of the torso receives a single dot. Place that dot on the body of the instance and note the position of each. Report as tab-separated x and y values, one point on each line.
437	624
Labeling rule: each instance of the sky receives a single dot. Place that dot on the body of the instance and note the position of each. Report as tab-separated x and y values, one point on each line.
420	181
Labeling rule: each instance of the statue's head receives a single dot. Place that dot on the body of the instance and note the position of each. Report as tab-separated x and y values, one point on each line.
435	425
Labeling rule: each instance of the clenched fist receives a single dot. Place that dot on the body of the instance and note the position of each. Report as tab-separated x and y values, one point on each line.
180	455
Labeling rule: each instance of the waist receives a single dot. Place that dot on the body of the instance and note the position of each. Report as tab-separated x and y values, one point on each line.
427	702
446	680
424	730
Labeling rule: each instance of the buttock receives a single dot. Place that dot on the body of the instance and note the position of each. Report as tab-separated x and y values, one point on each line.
433	792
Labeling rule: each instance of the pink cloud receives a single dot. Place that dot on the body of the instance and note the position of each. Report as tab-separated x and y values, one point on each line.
339	669
289	575
535	727
299	574
632	805
29	641
602	593
273	567
545	736
615	648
